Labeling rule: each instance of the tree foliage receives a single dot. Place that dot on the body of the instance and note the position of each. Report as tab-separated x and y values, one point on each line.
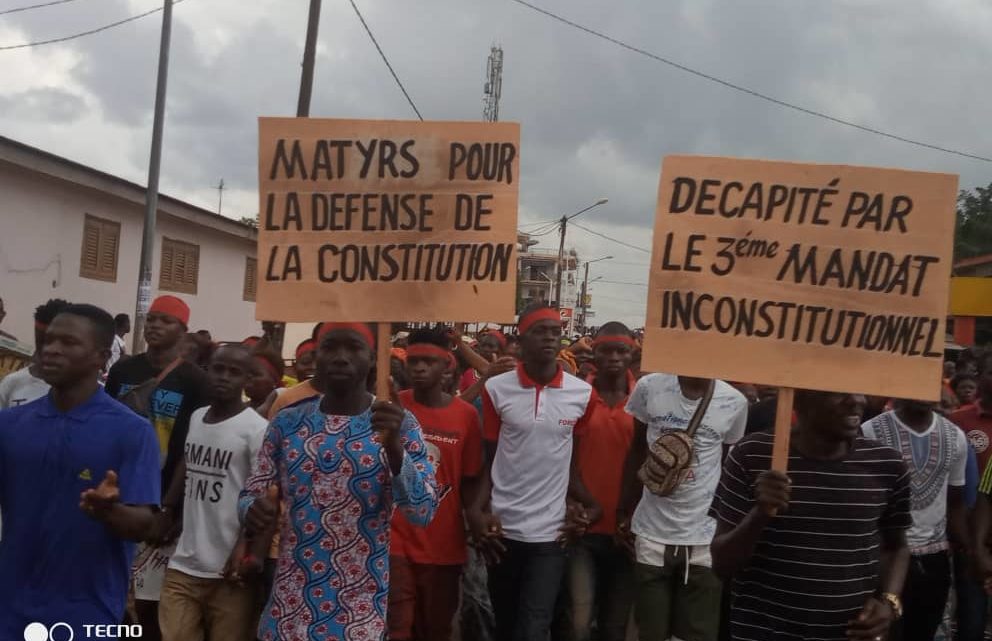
973	235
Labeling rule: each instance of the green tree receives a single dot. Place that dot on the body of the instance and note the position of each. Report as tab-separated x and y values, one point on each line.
973	233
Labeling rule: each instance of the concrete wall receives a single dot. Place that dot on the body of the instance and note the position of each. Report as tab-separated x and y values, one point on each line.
41	227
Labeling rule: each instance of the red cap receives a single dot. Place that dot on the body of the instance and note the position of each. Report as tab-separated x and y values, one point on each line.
171	306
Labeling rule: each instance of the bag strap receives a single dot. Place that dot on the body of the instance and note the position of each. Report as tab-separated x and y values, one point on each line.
704	403
168	370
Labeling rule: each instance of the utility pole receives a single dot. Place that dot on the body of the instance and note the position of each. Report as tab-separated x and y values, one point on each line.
151	198
220	197
276	332
582	301
562	226
309	61
585	288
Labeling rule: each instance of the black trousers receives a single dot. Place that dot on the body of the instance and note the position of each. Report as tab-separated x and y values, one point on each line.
524	586
924	597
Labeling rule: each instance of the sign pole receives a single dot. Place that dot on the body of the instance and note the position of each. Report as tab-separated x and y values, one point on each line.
783	429
383	390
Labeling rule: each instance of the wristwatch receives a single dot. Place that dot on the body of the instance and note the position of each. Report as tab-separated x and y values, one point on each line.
894	602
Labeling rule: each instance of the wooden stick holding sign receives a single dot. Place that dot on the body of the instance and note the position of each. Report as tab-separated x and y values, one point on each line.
783	429
383	362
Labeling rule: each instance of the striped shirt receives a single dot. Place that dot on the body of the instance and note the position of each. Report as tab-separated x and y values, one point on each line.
985	484
816	563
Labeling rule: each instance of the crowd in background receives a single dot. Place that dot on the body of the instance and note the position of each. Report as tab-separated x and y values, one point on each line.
516	486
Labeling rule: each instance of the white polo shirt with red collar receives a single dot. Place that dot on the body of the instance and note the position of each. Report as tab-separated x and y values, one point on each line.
533	426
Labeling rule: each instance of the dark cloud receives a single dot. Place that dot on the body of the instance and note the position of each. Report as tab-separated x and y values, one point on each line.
596	119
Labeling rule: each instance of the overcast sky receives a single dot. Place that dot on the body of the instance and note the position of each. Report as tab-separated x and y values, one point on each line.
596	118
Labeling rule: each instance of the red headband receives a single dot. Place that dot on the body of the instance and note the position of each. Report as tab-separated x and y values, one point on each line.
40	326
427	350
171	306
272	369
361	329
622	340
304	347
498	335
536	316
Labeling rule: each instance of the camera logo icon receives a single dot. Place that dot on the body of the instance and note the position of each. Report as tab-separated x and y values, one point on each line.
57	632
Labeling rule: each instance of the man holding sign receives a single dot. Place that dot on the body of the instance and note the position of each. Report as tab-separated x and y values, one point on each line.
339	462
821	552
825	277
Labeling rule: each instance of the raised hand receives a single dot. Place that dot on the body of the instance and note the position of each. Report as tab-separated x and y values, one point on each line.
98	501
387	418
772	491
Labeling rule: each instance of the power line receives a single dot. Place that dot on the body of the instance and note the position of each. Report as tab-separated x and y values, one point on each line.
540	223
543	232
621	262
385	59
619	242
750	92
621	282
34	6
85	33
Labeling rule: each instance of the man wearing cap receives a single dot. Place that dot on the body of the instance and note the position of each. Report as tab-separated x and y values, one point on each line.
340	462
530	417
171	403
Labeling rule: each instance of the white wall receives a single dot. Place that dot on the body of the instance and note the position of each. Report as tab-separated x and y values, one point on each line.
41	227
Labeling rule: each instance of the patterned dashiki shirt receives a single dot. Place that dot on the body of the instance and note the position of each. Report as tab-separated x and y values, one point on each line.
332	576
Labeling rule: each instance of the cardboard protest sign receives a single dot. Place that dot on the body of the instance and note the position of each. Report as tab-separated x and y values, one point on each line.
825	277
366	220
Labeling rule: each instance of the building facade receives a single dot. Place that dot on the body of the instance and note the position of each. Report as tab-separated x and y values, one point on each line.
73	232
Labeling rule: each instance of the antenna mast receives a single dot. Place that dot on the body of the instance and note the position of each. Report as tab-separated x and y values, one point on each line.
494	85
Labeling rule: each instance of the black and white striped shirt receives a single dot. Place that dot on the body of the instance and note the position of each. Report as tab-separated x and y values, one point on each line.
816	563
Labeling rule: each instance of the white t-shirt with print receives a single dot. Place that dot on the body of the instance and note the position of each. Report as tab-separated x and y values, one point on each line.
682	518
219	458
936	458
20	387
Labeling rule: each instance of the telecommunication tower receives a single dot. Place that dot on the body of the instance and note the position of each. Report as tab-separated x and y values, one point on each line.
494	85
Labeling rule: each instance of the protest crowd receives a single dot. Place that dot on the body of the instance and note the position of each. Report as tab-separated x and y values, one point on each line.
517	485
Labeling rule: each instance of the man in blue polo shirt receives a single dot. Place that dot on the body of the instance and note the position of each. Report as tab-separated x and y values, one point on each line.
78	476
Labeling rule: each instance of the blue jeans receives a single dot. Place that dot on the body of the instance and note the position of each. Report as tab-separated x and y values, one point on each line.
524	586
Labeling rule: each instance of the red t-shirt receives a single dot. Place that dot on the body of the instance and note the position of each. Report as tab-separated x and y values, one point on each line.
606	436
469	378
454	443
976	422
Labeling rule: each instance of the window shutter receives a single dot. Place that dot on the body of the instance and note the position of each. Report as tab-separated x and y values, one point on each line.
91	246
251	279
180	267
108	249
165	269
101	244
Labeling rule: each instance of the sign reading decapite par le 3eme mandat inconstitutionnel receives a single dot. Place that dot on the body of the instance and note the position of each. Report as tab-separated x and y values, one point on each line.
365	220
825	277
